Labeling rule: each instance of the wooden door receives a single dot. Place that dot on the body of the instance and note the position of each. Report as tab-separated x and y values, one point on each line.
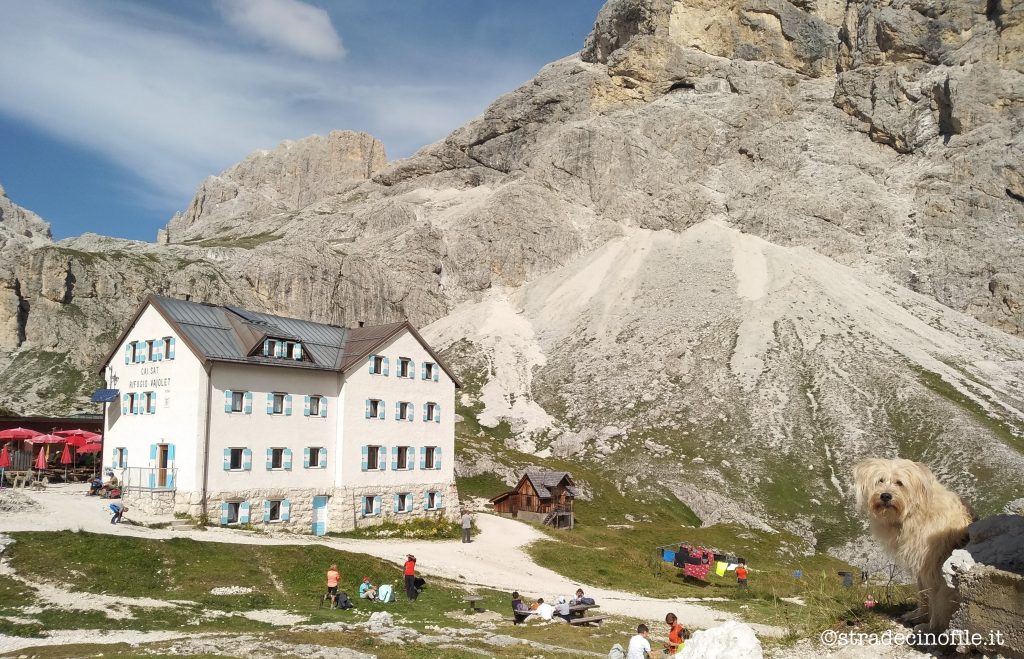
162	453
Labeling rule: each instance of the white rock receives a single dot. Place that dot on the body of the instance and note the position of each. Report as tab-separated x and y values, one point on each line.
731	640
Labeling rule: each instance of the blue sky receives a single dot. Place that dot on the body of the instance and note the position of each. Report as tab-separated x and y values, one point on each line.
113	112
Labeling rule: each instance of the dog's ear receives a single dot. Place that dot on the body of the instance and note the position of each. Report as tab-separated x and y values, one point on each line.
864	478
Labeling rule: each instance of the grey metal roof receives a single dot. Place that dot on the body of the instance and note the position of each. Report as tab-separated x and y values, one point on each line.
542	480
209	329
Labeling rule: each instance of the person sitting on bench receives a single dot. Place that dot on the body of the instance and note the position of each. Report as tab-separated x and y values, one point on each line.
94	486
582	599
520	612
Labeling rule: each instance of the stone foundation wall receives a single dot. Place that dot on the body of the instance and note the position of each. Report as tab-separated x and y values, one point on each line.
344	506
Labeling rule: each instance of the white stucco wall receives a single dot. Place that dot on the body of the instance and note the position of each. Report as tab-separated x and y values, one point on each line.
357	430
180	385
259	431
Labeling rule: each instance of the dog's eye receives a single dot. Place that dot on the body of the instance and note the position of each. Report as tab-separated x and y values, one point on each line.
900	483
881	480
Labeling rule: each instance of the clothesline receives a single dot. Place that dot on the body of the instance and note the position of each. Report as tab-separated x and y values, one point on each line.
695	560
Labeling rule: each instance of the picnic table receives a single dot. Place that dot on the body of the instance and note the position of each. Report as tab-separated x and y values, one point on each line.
580	610
471	601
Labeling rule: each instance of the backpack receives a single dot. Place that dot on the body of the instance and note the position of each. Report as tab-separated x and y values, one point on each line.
616	652
342	601
385	593
588	601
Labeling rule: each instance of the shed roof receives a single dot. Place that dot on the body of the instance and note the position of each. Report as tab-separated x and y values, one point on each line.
543	480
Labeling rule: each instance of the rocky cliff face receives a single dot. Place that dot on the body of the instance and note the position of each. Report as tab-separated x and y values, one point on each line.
727	249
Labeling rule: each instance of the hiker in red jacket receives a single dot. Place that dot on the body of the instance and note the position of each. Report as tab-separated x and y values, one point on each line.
741	576
410	577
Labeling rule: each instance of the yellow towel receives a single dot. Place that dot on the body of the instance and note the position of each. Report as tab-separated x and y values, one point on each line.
720	568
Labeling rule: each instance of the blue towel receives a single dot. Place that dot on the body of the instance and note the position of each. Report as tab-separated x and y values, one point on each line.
668	555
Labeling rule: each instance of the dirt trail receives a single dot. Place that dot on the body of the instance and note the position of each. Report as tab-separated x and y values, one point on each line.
495	559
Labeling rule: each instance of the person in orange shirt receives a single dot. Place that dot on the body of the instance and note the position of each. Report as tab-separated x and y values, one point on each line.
677	634
333	577
741	576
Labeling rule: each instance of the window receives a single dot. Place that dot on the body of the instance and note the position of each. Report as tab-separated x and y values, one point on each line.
403	457
271	349
237	401
234	507
374	409
120	457
277	458
150	348
314	405
373	457
369	508
236	459
404	411
430	413
429	369
403	502
278	404
289	350
150	402
430	458
168	347
404	367
377	365
274	511
314	456
135	351
431	500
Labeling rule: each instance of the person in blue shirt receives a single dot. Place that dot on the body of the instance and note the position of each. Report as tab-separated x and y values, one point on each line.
367	590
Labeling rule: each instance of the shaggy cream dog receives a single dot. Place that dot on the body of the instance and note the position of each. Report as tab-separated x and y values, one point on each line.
920	523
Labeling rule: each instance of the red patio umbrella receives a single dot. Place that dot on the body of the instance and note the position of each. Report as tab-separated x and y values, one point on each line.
78	435
40	463
65	459
91	448
46	439
18	433
5	462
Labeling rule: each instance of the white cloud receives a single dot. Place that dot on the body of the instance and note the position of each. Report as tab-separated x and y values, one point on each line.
288	24
172	100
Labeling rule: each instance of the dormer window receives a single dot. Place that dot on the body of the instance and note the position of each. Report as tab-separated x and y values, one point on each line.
282	349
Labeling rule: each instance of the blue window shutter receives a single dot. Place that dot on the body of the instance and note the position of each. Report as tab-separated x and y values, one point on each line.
423	370
437	500
437	413
170	452
425	408
323	407
437	371
152	480
124	404
412	413
266	347
376	505
224	513
227	459
170	349
380	409
266	512
127	353
140	352
305	458
270	459
305	409
227	401
270	403
152	451
158	351
323	457
370	362
426	501
394	458
410	461
437	457
367	408
412	370
423	457
397	503
248	402
365	450
243	512
286	510
152	403
385	366
297	353
383	462
288	458
279	349
398	411
288	405
247	459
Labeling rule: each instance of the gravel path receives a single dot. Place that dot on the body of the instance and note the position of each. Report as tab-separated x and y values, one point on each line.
495	559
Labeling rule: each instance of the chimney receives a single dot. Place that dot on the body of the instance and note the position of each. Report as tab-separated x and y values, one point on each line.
361	323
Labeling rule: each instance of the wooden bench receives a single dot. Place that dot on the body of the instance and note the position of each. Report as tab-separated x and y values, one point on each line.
471	601
525	617
592	620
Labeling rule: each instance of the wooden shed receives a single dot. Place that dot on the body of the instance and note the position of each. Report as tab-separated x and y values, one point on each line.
545	497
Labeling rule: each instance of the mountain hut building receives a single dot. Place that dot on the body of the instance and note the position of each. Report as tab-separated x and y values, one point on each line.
544	497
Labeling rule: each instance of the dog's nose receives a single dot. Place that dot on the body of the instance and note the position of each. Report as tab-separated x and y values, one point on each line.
885	497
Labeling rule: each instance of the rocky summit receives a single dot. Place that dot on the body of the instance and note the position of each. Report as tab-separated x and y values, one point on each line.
721	253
